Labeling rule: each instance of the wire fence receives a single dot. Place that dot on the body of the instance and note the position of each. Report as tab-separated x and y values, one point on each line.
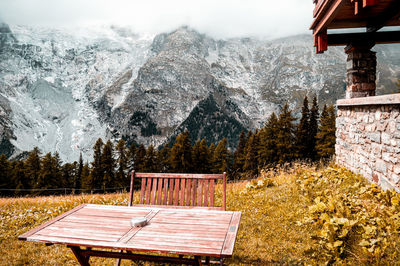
65	190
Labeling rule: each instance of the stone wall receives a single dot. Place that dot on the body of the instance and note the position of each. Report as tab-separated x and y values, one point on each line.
368	138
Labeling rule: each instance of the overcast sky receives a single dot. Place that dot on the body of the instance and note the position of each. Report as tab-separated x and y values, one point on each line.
218	18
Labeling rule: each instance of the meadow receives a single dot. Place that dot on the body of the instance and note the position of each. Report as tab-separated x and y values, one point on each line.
292	214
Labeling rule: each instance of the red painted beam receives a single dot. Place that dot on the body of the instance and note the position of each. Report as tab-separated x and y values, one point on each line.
370	3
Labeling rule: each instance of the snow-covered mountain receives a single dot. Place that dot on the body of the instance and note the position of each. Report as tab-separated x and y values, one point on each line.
61	89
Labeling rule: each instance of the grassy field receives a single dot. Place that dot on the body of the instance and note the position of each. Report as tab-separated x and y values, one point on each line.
301	215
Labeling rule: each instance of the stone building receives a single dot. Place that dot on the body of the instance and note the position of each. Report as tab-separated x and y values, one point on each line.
368	126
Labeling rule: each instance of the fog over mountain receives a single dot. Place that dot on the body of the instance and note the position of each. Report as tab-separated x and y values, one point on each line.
62	89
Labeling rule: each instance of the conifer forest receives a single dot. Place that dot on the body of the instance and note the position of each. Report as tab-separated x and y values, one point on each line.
282	139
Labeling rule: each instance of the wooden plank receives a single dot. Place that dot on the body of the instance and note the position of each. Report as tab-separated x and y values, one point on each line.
154	191
158	228
206	193
227	249
384	18
38	228
369	3
88	226
200	193
142	190
188	191
172	248
140	257
148	189
322	22
197	235
171	191
383	37
191	243
79	234
176	191
165	192
194	194
183	188
224	192
159	193
131	189
134	230
114	214
177	175
178	207
212	192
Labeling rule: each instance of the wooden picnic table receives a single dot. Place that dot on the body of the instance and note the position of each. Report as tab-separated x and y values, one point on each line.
192	232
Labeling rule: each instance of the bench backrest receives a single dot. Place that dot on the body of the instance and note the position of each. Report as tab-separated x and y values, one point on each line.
178	189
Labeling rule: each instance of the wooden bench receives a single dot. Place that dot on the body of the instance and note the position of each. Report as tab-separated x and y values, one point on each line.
179	190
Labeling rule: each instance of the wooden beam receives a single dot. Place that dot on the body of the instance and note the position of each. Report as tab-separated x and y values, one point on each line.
367	3
383	37
321	23
392	12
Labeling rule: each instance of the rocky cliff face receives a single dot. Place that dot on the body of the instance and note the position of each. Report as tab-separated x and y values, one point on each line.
60	90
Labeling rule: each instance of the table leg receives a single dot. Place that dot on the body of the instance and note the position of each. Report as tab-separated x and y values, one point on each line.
83	260
197	260
207	262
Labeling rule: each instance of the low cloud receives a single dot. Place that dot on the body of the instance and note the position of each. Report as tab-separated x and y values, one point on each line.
218	18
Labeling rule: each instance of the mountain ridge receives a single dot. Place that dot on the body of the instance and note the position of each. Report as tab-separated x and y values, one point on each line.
61	92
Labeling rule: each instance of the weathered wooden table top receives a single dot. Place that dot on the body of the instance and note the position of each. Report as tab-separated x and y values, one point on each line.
197	232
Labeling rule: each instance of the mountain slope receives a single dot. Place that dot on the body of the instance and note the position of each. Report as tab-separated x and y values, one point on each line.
61	89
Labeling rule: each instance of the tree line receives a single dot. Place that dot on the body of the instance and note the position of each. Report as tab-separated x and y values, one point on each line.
280	140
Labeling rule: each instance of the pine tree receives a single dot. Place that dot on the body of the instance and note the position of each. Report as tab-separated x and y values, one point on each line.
32	165
150	160
97	172
239	155
181	154
78	177
302	132
200	157
131	155
68	172
122	160
87	183
163	159
267	151
49	175
5	177
220	161
285	139
326	136
313	130
19	177
108	166
140	158
251	159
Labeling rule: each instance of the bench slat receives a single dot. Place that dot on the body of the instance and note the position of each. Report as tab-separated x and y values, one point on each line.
200	194
188	190
142	190
171	191
212	191
159	191
176	196
148	190
165	202
182	201
153	192
194	193
206	193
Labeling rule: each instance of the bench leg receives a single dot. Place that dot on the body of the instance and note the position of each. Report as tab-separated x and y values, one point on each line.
83	260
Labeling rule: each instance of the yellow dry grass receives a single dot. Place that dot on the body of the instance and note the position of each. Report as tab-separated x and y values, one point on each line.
279	224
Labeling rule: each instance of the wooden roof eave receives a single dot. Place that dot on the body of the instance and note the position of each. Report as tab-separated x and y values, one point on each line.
325	15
